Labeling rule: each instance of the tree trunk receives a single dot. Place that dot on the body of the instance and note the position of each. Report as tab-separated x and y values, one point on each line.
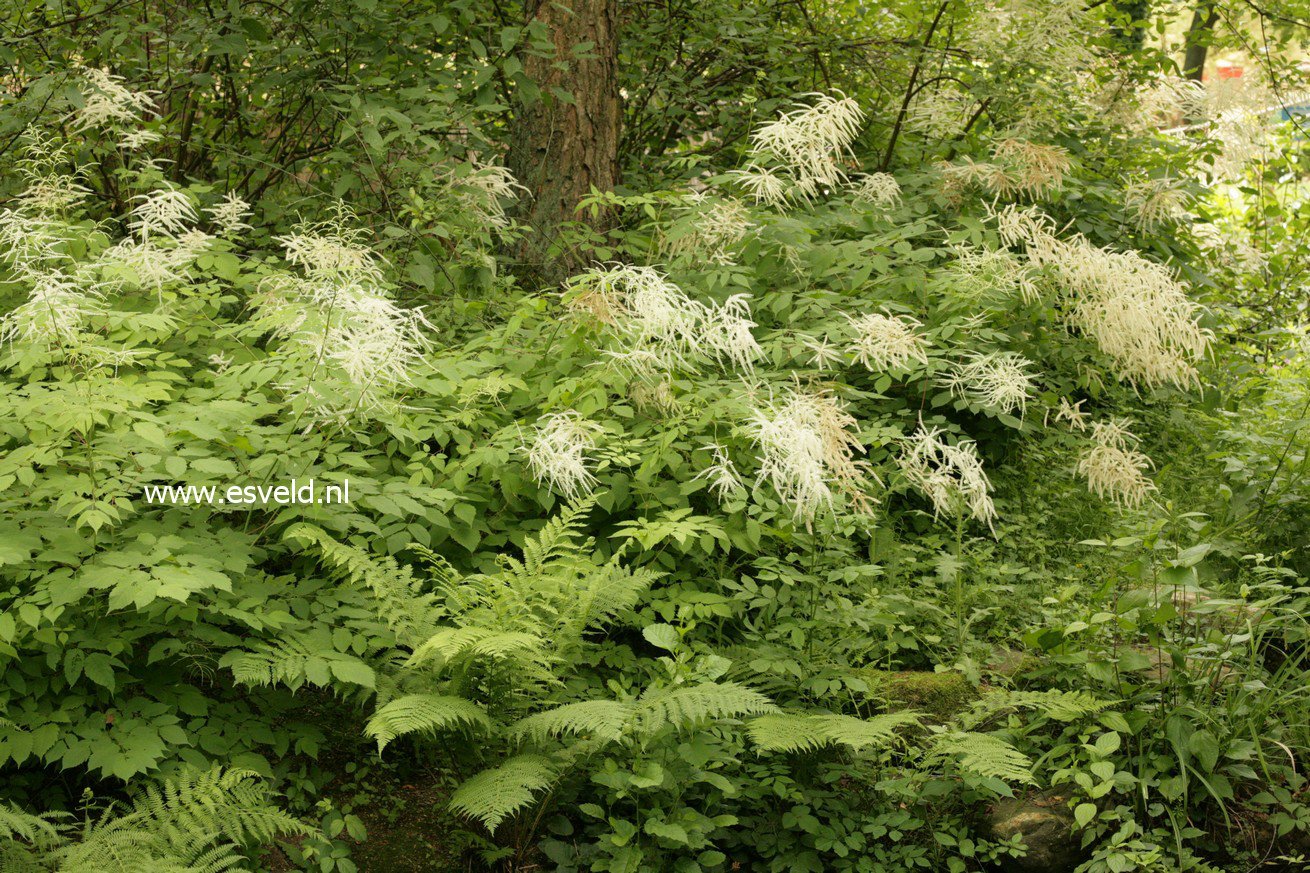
560	148
1198	39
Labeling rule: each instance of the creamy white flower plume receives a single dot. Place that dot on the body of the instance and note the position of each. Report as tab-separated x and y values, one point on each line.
659	327
108	101
808	142
230	214
808	449
997	379
886	342
880	189
1114	469
1153	202
560	453
1136	311
356	349
166	212
485	190
951	476
722	474
823	354
135	139
54	314
763	184
978	273
50	188
715	228
1071	413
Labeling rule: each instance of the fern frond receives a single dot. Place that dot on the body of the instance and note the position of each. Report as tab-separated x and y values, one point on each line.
560	538
452	642
601	719
1059	705
422	712
194	823
982	755
785	732
17	824
398	599
687	705
494	795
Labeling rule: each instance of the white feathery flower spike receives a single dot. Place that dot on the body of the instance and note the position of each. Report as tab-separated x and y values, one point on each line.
560	454
880	189
809	142
1153	202
715	229
722	474
167	212
886	342
807	450
54	314
135	139
1034	168
1072	413
823	354
999	380
49	187
951	476
1113	467
1136	311
230	214
762	184
108	101
358	350
487	188
658	326
978	272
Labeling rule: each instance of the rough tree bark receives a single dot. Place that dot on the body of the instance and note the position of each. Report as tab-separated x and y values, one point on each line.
1198	39
560	149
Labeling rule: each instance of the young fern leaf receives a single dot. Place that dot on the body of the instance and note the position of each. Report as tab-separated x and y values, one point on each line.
494	795
422	712
597	719
982	755
786	732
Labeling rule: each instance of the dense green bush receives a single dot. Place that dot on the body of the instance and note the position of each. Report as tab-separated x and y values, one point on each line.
635	566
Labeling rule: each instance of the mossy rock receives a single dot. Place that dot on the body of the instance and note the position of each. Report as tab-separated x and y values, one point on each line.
1043	822
939	694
